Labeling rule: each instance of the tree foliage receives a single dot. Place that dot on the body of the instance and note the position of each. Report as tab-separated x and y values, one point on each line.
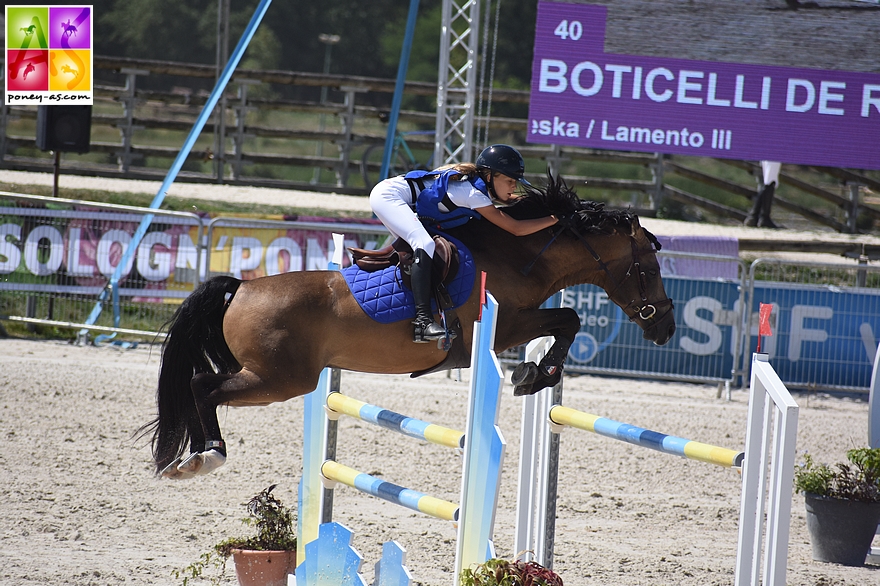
371	35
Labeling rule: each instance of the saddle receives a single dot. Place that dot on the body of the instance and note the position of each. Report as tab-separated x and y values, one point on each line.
444	268
399	253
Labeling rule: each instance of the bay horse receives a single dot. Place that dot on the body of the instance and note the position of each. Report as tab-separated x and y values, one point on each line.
265	340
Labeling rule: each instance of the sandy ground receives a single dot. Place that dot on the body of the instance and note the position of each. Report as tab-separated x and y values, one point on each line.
80	505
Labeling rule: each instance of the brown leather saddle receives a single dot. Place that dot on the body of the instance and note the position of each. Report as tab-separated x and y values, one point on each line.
399	253
444	268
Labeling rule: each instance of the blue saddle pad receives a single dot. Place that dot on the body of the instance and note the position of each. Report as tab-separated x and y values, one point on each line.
382	296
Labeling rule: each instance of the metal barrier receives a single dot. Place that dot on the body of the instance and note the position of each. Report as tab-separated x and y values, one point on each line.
247	248
707	344
825	321
56	257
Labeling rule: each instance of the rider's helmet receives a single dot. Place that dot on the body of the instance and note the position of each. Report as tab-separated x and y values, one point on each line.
503	158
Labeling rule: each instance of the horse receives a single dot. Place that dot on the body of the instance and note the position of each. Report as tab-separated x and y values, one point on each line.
256	342
69	29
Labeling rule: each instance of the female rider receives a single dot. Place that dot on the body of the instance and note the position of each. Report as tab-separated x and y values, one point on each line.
450	195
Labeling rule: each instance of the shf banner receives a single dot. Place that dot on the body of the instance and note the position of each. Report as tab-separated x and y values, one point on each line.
823	337
49	55
582	96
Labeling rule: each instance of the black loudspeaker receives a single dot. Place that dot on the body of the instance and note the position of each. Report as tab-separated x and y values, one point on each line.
65	129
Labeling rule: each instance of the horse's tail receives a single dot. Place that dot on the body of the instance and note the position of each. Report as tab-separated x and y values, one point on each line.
194	344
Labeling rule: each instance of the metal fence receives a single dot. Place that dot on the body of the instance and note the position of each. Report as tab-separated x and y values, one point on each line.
709	294
56	257
825	320
247	248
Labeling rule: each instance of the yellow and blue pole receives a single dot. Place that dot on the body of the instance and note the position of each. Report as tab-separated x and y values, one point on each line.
646	438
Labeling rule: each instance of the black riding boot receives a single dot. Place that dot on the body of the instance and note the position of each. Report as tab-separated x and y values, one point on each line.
766	200
420	278
752	217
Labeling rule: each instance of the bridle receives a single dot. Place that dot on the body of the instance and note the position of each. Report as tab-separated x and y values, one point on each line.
646	312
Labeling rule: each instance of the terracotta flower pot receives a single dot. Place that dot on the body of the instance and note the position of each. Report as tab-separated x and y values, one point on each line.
841	530
263	568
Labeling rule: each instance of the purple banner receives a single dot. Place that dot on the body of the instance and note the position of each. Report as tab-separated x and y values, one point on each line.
582	96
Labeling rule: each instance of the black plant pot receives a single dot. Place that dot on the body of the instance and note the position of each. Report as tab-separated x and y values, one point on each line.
841	530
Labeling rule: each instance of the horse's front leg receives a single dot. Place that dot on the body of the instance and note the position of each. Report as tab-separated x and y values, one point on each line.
563	324
207	448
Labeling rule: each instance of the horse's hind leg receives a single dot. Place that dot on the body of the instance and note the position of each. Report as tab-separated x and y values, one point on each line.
207	448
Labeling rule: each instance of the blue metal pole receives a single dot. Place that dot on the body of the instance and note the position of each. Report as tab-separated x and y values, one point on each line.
398	87
181	158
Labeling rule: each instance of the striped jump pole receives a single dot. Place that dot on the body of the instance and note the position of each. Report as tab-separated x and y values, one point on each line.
334	472
668	444
482	446
339	404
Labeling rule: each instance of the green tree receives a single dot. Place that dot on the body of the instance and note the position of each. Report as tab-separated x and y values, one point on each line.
371	35
168	30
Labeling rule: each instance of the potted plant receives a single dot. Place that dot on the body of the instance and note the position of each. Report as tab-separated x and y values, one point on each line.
843	505
499	572
266	558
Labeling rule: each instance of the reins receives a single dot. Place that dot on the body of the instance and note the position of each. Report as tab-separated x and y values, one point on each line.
528	268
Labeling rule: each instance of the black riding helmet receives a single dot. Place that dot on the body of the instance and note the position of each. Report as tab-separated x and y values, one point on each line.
505	159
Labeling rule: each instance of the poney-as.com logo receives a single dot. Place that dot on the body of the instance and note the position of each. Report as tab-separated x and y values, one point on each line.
49	55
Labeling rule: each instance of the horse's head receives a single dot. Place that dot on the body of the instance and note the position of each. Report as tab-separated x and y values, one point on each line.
624	253
634	283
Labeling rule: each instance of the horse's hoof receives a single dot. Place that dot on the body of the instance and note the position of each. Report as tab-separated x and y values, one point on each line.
524	374
211	460
540	381
200	463
172	471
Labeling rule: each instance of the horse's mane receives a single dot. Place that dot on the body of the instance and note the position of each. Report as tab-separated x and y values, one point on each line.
583	216
560	200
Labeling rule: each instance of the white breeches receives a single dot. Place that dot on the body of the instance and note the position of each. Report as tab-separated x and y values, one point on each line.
771	172
390	201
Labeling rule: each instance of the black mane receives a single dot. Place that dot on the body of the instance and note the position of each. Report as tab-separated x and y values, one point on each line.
558	199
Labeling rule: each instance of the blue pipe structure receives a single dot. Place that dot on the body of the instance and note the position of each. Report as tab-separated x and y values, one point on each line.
398	87
237	54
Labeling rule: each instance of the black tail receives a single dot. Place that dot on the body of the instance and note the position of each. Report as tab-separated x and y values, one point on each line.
194	344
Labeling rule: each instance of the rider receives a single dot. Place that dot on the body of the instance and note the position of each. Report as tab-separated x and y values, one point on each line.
467	186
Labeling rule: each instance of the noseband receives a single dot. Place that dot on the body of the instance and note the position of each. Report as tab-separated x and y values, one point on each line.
646	312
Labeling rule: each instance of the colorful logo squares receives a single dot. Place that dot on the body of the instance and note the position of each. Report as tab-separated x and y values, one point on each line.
49	55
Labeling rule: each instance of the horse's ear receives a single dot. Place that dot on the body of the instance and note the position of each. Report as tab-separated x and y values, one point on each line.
635	226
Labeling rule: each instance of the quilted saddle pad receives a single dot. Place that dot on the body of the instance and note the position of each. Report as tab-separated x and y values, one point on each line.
383	297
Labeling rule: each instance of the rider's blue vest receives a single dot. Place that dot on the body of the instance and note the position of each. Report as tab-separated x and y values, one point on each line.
429	198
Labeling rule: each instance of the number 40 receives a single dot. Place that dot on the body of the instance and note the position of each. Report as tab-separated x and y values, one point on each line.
569	30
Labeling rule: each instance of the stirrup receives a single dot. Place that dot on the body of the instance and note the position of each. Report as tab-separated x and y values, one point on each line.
427	331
